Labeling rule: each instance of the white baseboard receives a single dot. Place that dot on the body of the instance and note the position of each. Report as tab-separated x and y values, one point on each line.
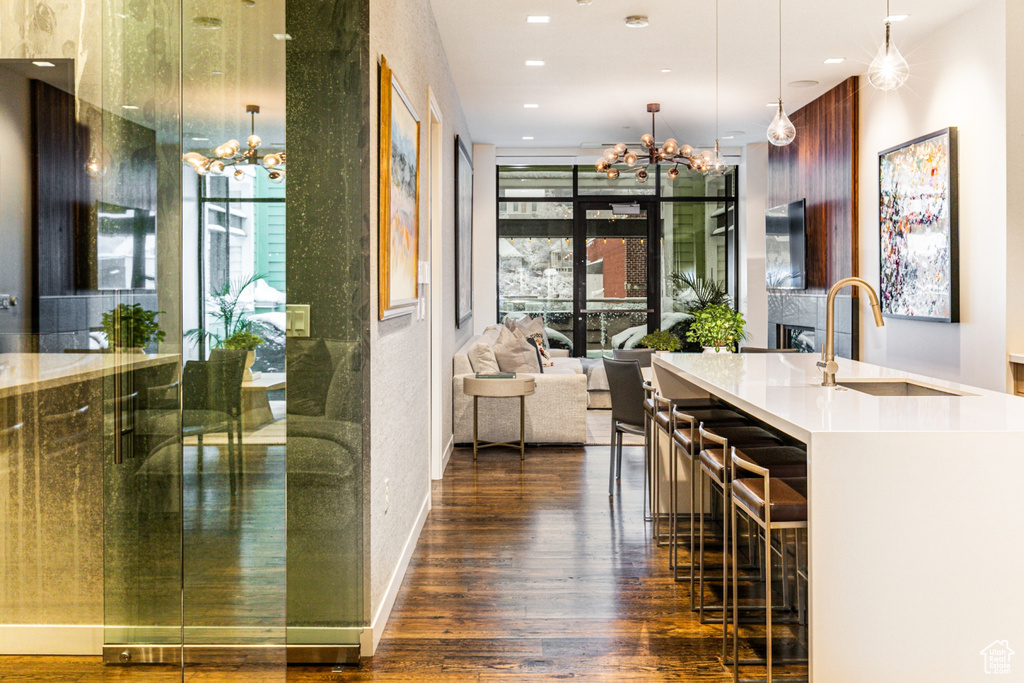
51	639
447	454
371	636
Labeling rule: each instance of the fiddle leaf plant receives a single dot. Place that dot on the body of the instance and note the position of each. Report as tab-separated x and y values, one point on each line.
660	340
131	327
717	326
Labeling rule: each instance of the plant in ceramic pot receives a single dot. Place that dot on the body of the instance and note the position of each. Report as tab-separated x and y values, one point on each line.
131	327
660	340
717	328
692	294
236	330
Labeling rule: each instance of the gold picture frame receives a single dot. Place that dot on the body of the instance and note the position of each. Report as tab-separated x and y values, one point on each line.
399	199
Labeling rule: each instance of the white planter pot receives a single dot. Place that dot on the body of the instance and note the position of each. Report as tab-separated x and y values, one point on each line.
716	349
248	375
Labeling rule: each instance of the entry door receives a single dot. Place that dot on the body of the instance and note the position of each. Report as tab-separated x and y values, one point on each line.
616	292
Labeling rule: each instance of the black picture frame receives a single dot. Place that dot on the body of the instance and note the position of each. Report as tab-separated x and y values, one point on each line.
893	271
463	233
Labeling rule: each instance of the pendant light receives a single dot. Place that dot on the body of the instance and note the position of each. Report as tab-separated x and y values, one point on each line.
781	132
888	70
717	166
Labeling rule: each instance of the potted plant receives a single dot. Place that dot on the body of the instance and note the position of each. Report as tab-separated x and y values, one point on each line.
692	294
660	340
717	327
131	328
240	332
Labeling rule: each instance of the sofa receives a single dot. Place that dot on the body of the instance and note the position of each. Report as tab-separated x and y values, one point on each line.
555	413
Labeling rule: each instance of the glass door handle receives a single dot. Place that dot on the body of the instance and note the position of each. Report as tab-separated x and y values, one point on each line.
616	310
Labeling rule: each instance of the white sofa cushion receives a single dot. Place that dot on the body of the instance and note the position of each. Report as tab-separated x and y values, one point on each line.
481	357
515	353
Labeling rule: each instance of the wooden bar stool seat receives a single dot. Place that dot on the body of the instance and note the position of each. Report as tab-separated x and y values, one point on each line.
781	461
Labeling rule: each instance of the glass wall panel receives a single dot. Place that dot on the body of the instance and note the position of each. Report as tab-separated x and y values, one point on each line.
695	185
535	259
593	182
534	181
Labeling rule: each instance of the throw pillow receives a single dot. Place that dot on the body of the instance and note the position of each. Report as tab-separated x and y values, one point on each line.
543	359
310	370
514	353
481	358
534	327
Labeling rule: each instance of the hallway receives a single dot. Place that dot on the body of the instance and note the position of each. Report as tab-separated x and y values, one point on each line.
525	572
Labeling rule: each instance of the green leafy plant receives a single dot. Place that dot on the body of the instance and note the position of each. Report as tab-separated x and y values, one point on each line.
243	341
718	326
131	327
705	292
238	328
660	340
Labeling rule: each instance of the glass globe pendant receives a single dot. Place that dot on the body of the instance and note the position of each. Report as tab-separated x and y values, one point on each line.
888	70
781	131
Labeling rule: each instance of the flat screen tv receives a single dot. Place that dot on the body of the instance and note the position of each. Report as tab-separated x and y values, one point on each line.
786	246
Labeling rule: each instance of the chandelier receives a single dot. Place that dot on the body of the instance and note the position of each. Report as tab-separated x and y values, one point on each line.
230	154
670	152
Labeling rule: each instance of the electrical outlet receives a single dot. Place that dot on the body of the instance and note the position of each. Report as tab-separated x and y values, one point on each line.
386	494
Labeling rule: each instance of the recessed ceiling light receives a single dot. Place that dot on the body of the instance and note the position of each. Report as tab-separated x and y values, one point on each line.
728	137
802	84
44	63
835	60
200	139
772	104
896	17
666	71
583	3
534	62
637	21
538	19
527	137
128	106
282	36
207	23
530	106
734	133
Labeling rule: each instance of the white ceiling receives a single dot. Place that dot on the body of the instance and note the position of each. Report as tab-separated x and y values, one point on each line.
599	74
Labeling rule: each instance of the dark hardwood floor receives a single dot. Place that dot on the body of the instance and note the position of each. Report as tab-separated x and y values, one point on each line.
523	571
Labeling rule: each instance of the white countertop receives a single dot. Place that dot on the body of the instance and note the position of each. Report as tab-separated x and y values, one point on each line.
785	391
26	372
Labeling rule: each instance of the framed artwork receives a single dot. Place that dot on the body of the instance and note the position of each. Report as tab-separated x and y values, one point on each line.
463	233
399	199
918	231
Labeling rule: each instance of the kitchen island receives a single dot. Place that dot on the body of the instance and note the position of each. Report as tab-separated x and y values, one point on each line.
915	506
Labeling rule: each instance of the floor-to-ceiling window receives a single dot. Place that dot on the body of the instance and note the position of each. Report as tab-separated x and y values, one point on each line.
605	262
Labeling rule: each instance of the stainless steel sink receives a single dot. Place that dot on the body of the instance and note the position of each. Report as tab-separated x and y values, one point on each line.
883	386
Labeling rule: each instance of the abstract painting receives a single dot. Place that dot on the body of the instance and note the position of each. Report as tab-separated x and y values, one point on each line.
918	229
399	198
463	233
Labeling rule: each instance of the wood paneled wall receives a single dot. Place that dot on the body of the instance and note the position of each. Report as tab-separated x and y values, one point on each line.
821	167
58	188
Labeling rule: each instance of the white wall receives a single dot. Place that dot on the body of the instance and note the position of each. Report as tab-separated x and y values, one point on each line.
405	32
753	201
15	209
1014	175
485	237
958	78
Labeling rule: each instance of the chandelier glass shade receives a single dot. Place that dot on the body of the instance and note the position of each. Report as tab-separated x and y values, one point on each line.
230	154
889	69
621	159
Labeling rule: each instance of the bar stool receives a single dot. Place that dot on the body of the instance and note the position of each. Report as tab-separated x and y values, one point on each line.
684	437
663	420
772	503
747	437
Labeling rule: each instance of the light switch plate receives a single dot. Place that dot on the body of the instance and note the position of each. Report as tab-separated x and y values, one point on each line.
297	320
424	273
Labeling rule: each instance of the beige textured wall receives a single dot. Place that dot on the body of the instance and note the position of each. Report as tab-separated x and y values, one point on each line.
405	32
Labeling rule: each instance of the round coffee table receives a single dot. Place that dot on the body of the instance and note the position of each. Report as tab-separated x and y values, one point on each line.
492	387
